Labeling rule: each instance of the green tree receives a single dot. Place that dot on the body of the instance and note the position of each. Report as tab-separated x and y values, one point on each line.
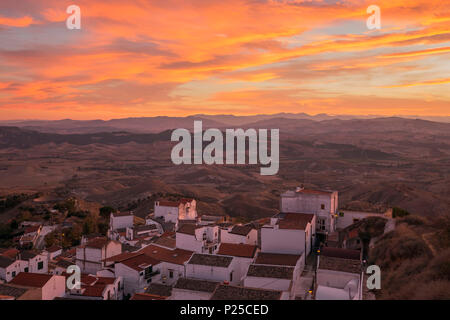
106	211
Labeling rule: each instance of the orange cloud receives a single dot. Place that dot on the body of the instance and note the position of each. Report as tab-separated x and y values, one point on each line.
149	57
16	22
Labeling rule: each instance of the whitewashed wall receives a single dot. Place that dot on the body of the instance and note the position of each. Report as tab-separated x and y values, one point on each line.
282	241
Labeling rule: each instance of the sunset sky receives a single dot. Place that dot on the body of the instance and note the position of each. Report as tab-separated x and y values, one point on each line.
163	57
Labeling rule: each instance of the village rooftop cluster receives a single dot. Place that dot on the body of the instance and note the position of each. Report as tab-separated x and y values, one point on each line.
177	254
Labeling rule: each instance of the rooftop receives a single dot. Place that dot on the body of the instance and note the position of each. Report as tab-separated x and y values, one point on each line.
63	263
27	255
5	262
226	292
188	228
140	262
94	291
145	296
301	190
297	221
196	285
10	253
175	256
210	260
35	280
340	253
237	250
11	291
339	264
122	214
158	289
97	243
241	230
143	228
167	242
279	259
264	271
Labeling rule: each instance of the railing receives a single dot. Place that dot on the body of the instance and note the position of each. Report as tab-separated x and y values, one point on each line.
151	274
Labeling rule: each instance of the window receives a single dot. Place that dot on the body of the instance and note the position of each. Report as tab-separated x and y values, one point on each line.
321	223
322	206
231	276
40	265
13	274
26	269
171	274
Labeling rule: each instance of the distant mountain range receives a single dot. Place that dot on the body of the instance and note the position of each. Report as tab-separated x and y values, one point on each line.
149	130
161	123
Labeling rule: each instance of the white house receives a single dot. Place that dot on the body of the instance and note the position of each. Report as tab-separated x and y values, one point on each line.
121	220
213	268
60	267
53	252
346	218
322	203
9	268
193	289
91	257
339	275
172	211
98	288
33	262
275	271
137	272
270	277
172	262
245	234
198	238
41	286
290	233
244	254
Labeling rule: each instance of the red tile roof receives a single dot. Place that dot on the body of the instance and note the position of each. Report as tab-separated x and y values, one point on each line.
105	280
146	296
175	256
297	221
309	191
97	243
10	253
237	250
340	253
169	204
122	256
140	262
94	291
35	280
188	228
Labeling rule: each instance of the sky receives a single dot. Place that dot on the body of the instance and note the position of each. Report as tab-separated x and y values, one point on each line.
139	58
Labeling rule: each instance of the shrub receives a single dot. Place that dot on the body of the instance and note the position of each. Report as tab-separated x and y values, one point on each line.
399	212
413	220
